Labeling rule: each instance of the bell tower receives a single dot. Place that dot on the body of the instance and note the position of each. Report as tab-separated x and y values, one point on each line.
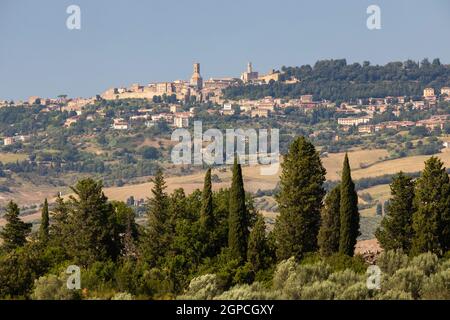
196	79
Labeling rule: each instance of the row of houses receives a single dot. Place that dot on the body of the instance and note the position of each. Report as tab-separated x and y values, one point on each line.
177	119
266	106
435	122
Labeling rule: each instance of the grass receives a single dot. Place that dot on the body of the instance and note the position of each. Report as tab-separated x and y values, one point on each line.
254	180
333	162
12	157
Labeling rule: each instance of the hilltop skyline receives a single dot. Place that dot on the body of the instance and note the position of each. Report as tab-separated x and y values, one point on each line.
138	42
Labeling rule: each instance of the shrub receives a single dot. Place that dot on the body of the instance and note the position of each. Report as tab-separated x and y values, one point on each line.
426	262
437	287
122	296
52	287
202	288
345	278
357	291
409	280
445	265
395	295
319	290
391	261
303	276
255	291
283	271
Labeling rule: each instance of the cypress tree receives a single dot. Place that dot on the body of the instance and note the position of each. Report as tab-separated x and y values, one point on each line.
43	229
396	231
349	215
178	208
328	238
431	219
238	223
300	200
258	253
206	214
15	232
157	242
90	224
126	228
59	216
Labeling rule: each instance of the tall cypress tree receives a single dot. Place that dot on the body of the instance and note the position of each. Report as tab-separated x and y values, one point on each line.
206	214
396	231
15	232
328	238
90	224
299	200
258	253
59	216
238	222
158	232
349	214
431	220
43	229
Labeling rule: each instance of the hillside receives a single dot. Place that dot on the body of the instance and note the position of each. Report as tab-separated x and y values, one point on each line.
337	80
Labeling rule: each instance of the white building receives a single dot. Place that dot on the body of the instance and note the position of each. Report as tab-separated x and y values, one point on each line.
120	124
181	122
353	121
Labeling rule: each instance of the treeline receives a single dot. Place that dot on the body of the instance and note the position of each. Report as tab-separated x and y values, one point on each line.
218	235
336	80
418	214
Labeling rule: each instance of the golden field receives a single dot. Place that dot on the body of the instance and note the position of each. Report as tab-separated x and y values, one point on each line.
254	180
372	160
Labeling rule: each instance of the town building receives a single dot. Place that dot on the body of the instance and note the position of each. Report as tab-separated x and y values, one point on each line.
261	113
445	91
120	124
196	79
428	93
168	117
8	141
366	129
353	121
11	140
175	108
227	109
249	75
271	76
307	98
181	121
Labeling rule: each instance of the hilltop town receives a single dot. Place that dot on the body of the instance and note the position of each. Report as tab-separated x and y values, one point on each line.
123	135
357	113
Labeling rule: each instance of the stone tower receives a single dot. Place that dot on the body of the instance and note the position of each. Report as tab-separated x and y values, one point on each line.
249	75
196	79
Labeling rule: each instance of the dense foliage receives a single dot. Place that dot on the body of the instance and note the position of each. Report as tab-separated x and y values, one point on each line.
214	244
336	80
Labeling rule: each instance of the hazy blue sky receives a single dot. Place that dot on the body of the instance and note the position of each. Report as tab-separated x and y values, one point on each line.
122	42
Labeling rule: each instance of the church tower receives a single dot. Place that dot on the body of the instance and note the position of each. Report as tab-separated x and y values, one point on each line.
196	79
249	67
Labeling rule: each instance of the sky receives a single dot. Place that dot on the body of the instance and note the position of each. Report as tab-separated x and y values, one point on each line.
137	41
